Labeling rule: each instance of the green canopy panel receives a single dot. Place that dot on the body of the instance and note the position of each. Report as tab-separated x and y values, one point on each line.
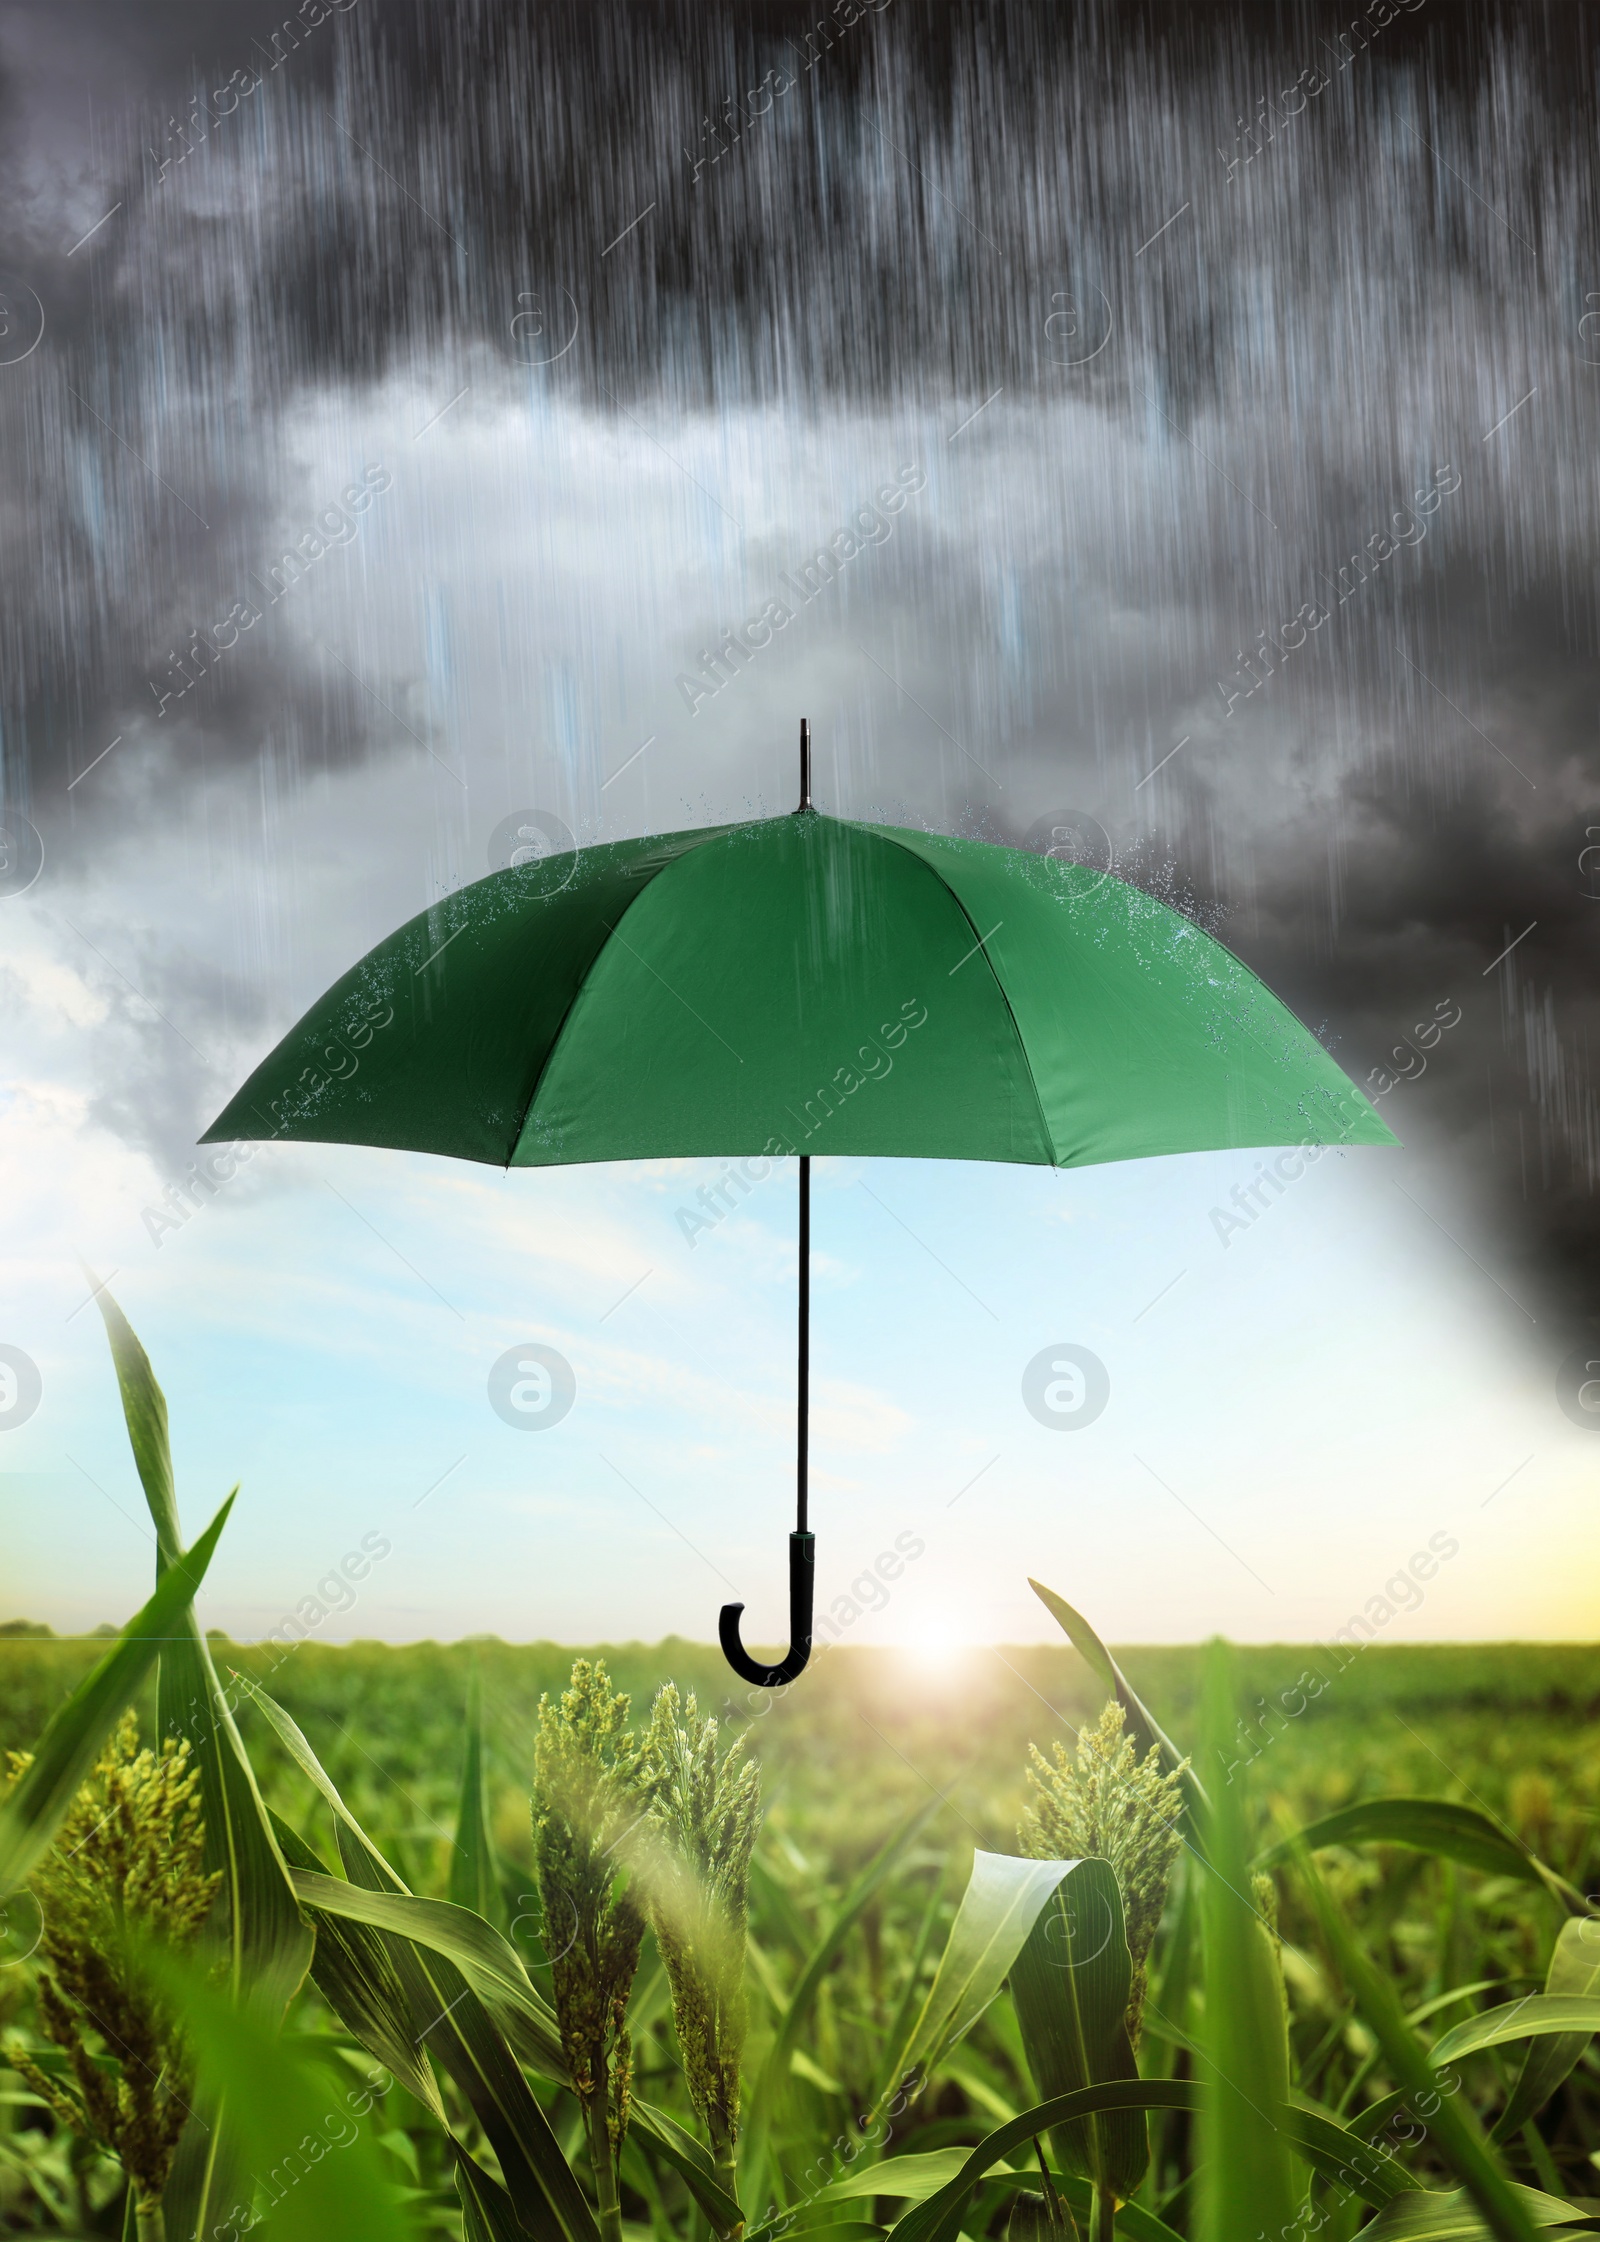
806	984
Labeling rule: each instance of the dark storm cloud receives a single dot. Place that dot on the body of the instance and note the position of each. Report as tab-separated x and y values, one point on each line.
1309	306
860	201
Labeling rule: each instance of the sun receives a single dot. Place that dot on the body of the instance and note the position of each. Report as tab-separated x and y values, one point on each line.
936	1643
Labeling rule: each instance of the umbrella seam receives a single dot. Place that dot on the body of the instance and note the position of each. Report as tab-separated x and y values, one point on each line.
713	832
887	833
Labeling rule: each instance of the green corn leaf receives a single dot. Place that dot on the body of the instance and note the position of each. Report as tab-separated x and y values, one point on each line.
371	1893
1247	2182
1426	2216
299	1750
1142	1724
1001	1904
690	2160
487	2211
1430	1825
917	2177
463	2039
293	2125
446	2018
1069	1985
911	2178
1538	2016
474	1881
488	1961
937	2212
1574	1974
144	1412
261	1939
442	2011
1341	2157
66	1752
352	1971
1456	2133
938	2218
1042	2218
355	1974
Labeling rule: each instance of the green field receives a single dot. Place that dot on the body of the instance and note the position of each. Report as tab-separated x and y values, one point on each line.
867	1735
867	1741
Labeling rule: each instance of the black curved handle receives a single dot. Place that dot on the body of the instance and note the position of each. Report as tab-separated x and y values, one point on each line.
802	1569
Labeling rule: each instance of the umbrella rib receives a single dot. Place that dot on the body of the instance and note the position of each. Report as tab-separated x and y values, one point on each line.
976	947
583	982
1045	1130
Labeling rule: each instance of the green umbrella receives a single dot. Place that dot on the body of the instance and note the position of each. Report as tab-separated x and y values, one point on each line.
793	985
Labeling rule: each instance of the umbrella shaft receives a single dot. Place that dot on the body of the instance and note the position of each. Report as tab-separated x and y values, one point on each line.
801	1525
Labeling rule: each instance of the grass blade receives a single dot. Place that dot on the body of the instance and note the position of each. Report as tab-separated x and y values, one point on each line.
938	2219
942	2182
1459	2138
915	2178
458	2030
1342	2158
1247	2183
299	1750
474	1881
487	2212
69	1747
443	2013
1574	1972
1142	1723
912	2179
692	2163
1538	2016
1425	2216
1431	1825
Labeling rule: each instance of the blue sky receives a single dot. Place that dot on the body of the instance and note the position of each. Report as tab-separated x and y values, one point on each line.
1290	1416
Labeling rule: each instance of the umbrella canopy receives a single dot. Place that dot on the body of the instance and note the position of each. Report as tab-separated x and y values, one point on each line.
800	984
808	982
